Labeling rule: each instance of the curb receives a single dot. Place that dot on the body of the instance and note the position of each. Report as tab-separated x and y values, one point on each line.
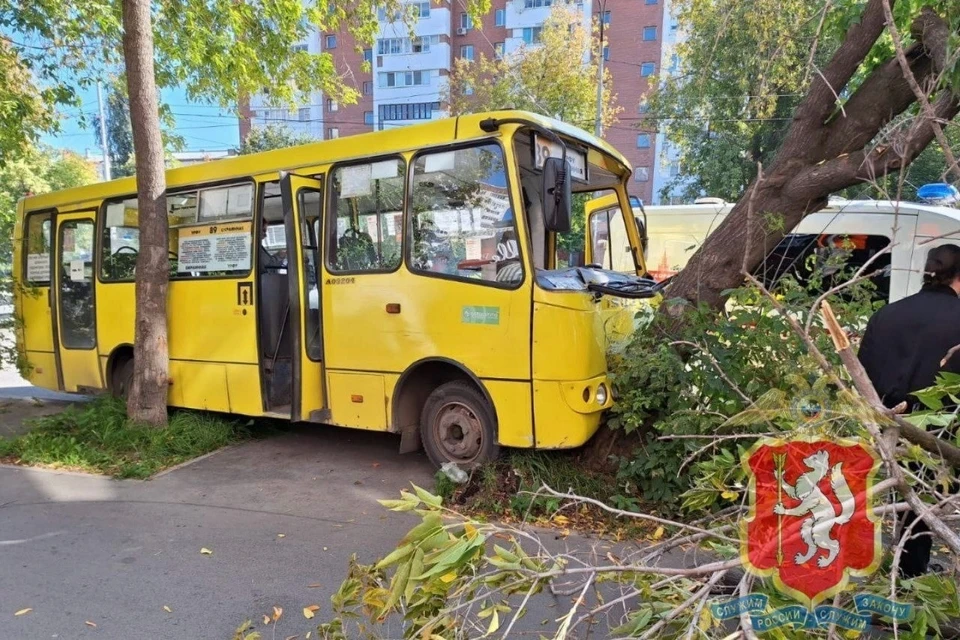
187	463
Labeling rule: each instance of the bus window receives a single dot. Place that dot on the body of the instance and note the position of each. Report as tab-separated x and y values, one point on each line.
463	226
77	323
366	230
210	234
38	250
611	246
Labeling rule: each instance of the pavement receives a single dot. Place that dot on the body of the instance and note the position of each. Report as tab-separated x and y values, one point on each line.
281	516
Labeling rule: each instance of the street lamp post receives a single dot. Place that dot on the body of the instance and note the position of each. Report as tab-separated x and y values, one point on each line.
598	125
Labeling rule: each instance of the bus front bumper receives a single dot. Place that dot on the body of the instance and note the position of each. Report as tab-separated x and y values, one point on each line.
568	412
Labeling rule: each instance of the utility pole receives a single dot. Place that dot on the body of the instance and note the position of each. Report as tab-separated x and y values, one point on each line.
598	127
103	135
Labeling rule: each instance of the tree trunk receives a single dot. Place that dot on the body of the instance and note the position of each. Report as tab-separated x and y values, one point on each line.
147	400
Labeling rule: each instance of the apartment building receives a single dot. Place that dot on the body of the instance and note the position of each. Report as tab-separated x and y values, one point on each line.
405	81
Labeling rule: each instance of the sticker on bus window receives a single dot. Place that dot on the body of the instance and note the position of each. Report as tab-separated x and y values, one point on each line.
224	247
439	162
38	267
383	170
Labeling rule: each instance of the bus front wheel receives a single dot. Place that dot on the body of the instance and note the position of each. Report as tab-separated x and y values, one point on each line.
457	425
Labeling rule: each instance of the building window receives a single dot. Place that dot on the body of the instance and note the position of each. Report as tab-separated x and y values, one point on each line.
297	48
332	105
643	141
500	17
536	4
647	69
649	34
643	107
606	17
331	41
368	55
674	169
367	87
531	35
333	133
466	52
606	53
421	10
674	26
410	111
423	43
393	79
650	1
368	117
466	22
498	49
304	114
641	174
674	63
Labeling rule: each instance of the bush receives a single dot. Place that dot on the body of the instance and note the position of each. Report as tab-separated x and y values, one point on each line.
678	389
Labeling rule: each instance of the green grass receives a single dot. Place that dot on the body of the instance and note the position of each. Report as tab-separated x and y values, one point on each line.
97	437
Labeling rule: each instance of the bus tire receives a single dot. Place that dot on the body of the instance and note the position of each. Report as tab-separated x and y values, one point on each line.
122	379
458	425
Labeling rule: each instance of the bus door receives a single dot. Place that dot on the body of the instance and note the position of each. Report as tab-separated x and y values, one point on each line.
302	206
75	317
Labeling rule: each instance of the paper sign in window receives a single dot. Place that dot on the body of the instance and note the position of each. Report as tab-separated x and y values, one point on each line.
76	271
355	181
383	170
38	267
225	247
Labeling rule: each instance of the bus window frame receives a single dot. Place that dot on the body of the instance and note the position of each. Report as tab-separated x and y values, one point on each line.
329	213
101	221
51	215
408	215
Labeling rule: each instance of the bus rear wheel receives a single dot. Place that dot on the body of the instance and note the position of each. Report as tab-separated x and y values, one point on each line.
122	379
457	425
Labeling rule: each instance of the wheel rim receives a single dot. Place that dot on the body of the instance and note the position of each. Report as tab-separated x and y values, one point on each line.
458	431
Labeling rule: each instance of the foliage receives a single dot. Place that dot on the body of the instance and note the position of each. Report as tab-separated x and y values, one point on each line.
272	136
36	170
119	133
549	78
98	437
729	105
216	51
681	400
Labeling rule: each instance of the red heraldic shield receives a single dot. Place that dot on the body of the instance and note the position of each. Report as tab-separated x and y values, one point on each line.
811	523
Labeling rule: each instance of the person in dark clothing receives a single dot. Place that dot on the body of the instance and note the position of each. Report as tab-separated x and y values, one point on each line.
902	350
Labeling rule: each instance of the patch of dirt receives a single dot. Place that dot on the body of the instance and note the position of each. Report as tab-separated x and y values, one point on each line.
16	413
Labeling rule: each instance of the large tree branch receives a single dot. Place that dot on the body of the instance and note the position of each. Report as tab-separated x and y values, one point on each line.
868	165
932	32
821	97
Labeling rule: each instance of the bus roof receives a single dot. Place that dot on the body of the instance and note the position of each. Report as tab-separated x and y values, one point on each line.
324	152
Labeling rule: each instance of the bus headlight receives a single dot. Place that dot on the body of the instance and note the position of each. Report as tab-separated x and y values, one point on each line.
601	394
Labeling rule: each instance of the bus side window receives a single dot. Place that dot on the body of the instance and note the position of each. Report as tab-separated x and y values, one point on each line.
463	225
365	232
37	250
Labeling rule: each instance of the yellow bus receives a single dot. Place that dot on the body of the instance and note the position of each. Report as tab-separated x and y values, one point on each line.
402	281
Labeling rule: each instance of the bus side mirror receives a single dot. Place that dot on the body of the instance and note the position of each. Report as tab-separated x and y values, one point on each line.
557	196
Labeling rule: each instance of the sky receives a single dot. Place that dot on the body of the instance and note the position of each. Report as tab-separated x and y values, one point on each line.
203	127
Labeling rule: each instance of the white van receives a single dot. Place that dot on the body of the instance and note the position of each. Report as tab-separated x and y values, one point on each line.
858	228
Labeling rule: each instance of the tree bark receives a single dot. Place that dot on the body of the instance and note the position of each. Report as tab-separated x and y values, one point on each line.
825	150
147	400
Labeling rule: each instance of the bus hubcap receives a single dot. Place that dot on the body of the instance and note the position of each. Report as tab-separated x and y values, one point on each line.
459	432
